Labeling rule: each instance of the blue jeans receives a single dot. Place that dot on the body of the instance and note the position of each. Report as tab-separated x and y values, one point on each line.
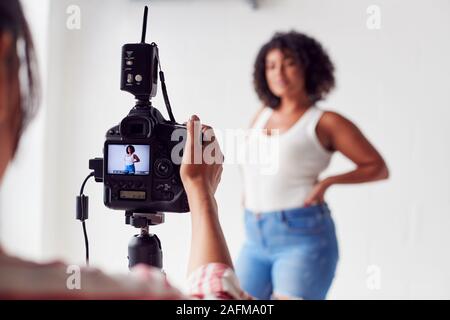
292	252
129	168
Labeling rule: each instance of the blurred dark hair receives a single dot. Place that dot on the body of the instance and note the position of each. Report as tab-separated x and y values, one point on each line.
12	20
318	70
132	149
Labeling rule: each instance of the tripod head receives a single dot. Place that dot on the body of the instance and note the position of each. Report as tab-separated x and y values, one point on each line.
144	247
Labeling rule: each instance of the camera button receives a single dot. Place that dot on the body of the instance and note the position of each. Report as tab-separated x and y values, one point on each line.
163	168
129	78
167	196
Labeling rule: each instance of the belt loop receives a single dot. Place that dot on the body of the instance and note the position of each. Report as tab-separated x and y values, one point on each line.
283	216
324	208
321	209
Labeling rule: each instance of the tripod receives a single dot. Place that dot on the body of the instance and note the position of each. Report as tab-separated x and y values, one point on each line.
144	247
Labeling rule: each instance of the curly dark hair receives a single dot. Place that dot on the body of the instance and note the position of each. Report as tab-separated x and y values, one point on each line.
131	149
318	70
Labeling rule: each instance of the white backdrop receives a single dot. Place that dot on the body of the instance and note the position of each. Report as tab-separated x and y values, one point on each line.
393	82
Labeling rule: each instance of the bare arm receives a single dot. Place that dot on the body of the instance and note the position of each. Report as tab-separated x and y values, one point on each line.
136	158
349	140
200	181
343	136
208	242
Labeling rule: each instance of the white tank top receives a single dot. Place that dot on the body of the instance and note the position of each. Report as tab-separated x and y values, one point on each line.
292	160
129	159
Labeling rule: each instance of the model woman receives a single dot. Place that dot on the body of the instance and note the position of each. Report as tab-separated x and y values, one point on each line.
130	159
291	249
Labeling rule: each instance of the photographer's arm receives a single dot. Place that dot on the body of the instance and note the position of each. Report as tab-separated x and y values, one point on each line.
208	242
200	181
210	268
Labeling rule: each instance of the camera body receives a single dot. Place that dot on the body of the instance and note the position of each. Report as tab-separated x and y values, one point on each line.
142	155
153	184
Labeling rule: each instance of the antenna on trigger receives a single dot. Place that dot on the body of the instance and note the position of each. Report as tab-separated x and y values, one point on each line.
144	24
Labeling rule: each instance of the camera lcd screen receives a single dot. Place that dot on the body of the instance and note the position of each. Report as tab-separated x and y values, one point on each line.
128	159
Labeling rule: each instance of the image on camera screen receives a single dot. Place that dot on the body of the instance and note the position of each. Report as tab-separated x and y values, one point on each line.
129	159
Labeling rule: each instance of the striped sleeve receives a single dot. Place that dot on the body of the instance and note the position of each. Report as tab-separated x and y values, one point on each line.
215	281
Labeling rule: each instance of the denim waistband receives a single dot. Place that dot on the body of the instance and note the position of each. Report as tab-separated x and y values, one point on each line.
314	210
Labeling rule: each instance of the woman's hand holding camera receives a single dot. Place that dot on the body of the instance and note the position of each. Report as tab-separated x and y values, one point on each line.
200	177
199	174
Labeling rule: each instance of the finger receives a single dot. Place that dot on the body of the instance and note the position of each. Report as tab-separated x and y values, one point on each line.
209	137
208	134
192	139
219	172
221	155
309	201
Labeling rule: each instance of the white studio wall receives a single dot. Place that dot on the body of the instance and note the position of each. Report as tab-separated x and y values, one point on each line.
393	81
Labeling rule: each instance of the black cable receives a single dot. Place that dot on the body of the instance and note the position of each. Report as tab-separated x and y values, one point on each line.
86	242
84	182
164	88
83	215
166	97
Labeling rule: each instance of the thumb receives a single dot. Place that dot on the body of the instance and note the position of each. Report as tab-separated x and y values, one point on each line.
308	201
